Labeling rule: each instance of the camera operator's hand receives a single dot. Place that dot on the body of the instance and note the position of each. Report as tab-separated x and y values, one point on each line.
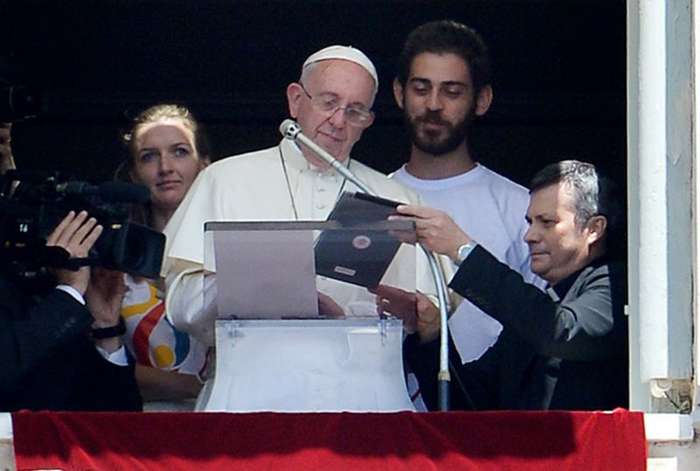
7	162
104	297
76	234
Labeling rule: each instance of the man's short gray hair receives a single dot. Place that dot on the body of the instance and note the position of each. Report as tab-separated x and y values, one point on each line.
592	194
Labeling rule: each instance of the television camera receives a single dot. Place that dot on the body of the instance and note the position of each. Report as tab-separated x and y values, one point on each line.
31	207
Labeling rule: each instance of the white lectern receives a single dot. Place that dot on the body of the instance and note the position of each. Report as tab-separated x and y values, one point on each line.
291	340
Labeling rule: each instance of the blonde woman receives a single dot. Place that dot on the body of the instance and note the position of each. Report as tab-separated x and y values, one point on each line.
167	150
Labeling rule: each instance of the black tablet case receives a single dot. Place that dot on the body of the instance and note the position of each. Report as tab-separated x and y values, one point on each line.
358	255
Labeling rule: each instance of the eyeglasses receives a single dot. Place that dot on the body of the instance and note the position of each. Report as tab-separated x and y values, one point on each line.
329	103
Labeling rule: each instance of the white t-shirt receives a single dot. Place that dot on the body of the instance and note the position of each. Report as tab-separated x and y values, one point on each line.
491	209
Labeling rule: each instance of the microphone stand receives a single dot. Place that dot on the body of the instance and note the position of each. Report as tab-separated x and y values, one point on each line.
290	129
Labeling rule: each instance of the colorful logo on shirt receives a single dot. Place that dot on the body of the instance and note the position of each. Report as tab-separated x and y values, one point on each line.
151	337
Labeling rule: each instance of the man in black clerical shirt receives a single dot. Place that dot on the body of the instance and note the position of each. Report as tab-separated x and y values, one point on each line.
564	349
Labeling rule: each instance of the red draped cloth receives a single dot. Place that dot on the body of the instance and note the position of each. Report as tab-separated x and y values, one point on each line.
483	441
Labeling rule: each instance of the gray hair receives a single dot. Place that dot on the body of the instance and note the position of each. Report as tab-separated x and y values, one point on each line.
592	194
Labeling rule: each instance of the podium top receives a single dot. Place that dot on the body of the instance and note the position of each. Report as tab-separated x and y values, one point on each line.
306	269
399	226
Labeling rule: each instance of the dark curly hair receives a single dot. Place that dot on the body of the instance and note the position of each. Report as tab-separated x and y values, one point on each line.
445	37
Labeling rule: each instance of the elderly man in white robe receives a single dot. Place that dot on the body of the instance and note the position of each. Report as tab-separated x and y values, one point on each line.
332	103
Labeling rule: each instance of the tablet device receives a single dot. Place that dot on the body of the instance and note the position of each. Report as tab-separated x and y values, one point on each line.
357	252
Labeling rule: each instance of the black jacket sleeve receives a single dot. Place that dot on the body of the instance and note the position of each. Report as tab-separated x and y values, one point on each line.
29	331
579	328
48	360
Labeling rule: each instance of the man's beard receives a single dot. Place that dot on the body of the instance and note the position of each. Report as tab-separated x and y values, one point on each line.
432	143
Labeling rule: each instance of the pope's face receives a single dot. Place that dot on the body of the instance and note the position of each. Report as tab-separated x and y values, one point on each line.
348	84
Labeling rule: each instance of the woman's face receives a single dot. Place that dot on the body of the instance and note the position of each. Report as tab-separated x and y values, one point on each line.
166	161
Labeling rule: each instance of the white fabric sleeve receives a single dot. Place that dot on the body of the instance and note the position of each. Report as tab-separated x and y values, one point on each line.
117	357
73	292
185	304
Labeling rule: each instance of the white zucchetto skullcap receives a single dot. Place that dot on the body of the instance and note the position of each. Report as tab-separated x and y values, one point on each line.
346	53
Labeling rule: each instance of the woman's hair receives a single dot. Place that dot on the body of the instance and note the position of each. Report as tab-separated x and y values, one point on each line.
165	112
156	114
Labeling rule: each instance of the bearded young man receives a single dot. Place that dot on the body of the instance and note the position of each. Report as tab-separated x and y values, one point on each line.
442	86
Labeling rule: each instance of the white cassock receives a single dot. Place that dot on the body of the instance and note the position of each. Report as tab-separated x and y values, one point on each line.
275	184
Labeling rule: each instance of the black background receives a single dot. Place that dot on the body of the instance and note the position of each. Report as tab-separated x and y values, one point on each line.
559	74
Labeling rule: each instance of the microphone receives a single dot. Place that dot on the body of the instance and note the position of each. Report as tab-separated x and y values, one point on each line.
108	191
291	130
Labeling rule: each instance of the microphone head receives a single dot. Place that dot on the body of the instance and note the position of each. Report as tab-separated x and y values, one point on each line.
290	129
124	192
